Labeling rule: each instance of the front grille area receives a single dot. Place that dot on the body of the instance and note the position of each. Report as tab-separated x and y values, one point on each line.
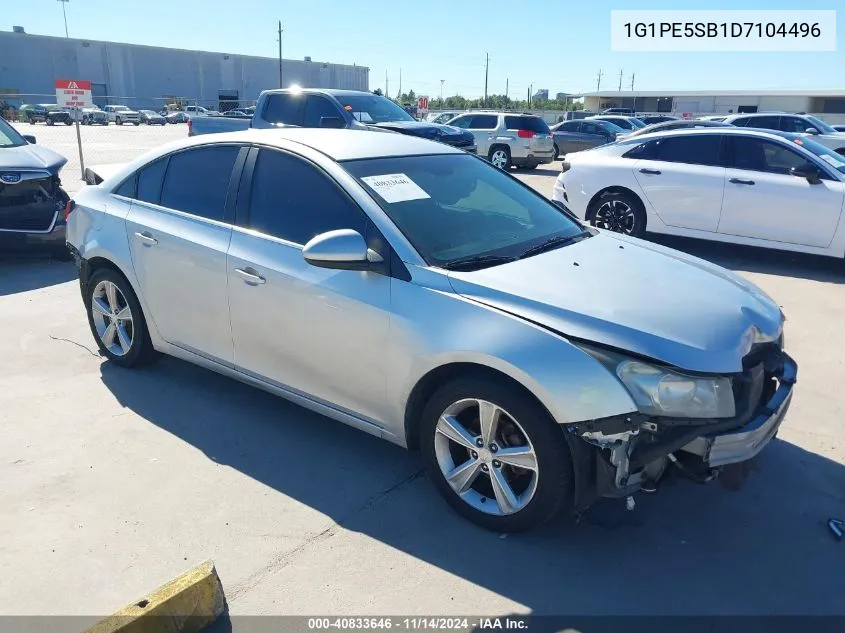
756	385
28	206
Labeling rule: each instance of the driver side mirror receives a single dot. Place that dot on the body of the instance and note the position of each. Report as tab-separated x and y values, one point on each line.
812	130
342	249
334	122
29	138
810	172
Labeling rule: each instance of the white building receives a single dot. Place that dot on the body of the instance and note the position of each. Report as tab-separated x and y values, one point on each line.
826	102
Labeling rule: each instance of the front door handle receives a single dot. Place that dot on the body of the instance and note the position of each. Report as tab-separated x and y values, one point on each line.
653	172
251	276
147	238
741	181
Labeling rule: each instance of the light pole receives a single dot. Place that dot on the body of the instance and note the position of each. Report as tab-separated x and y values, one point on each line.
64	2
442	81
280	54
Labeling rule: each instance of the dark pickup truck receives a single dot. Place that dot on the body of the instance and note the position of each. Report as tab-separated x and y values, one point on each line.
352	109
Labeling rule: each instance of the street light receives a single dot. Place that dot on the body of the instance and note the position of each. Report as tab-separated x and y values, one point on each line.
64	2
442	81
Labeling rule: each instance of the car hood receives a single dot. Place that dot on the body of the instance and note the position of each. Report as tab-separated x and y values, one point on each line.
433	131
30	157
633	296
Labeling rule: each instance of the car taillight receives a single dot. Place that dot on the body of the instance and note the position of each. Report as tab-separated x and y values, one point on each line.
525	133
69	207
190	127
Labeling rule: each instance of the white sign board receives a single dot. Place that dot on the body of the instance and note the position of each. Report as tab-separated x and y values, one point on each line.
395	188
73	93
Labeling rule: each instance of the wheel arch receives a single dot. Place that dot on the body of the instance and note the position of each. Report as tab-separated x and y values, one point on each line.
592	206
496	146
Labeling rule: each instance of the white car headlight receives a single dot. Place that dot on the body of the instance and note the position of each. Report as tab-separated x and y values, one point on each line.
664	392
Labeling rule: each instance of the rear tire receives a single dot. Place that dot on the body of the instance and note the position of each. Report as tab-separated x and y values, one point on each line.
500	156
619	212
530	496
117	323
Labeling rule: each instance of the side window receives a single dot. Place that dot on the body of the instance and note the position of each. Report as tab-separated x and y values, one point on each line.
571	126
149	181
484	122
591	128
740	122
316	108
462	122
644	151
694	150
758	154
283	108
295	201
794	124
197	180
127	187
764	122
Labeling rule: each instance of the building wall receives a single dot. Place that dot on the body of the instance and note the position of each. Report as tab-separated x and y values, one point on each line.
30	63
713	103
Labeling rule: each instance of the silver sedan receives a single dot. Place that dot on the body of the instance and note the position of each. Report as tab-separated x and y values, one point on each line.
417	293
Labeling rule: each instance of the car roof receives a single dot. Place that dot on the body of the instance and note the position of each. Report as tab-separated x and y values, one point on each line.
323	91
338	145
742	131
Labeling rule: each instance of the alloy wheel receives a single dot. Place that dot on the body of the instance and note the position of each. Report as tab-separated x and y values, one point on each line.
486	457
617	216
112	318
499	158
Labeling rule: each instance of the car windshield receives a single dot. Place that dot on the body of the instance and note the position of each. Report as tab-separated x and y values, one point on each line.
9	136
456	209
636	123
837	161
373	108
824	127
610	127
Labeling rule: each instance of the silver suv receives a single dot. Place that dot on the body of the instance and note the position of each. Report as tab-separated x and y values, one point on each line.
415	292
521	140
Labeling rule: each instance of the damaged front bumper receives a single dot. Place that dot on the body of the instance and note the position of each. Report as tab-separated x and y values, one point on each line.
635	449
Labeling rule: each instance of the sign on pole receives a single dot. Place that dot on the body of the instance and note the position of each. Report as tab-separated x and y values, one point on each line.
73	93
422	104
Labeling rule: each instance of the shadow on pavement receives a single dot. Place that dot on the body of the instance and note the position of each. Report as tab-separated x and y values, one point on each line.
687	550
19	274
758	260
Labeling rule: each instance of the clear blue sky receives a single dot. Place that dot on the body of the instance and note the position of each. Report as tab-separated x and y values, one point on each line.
560	45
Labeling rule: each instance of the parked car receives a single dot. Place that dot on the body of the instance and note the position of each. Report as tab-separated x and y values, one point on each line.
193	110
121	114
651	119
713	117
151	117
508	139
48	113
575	136
623	111
574	115
442	117
530	386
94	116
738	185
350	109
32	201
804	124
178	117
678	124
238	114
625	122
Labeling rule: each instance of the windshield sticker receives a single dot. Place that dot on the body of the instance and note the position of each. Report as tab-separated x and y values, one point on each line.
797	141
831	160
395	188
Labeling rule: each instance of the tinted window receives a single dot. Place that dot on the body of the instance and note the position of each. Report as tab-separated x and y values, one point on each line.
533	123
197	181
643	151
372	108
284	108
570	126
761	155
484	122
794	124
127	188
316	108
461	121
625	124
591	128
763	122
149	181
295	201
694	150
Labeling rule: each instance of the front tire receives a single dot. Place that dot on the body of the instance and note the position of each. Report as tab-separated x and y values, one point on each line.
116	320
495	455
500	157
619	212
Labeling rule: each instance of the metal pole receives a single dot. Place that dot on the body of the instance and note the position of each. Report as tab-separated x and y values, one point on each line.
77	115
64	14
442	81
400	86
386	85
632	81
281	85
598	83
507	91
486	71
620	80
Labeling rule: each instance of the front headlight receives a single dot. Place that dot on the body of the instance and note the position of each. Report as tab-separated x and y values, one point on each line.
664	392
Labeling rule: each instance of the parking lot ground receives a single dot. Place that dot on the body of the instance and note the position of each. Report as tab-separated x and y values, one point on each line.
113	481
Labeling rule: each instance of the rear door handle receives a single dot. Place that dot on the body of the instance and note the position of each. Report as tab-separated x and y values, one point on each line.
147	238
653	172
251	276
741	181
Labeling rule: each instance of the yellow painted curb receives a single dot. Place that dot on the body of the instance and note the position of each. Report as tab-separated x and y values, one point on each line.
186	604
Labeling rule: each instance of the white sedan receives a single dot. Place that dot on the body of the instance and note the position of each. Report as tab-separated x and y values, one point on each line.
770	189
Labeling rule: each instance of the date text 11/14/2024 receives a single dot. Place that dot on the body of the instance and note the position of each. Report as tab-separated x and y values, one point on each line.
418	623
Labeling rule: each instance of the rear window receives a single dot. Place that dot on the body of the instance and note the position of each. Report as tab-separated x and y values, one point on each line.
533	123
284	108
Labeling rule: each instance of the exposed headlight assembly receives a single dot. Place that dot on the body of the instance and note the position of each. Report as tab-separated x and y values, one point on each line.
664	392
